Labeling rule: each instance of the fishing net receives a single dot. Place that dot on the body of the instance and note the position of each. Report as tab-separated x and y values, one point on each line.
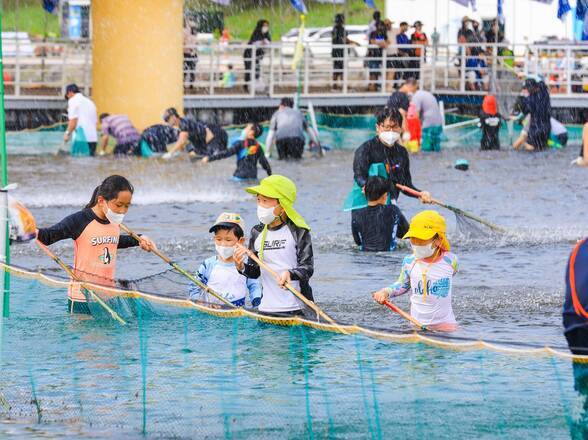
184	370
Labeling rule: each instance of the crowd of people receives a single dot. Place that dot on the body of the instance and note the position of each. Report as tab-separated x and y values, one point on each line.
381	172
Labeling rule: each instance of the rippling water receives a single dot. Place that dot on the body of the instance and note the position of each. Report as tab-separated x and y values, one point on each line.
509	287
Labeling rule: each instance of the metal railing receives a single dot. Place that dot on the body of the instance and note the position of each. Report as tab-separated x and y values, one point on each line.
242	70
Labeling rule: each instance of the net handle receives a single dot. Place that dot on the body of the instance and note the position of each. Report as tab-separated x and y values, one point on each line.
453	209
405	315
294	291
73	276
180	269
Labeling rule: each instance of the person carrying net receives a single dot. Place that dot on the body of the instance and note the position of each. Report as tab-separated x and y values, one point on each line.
219	273
96	234
281	242
427	274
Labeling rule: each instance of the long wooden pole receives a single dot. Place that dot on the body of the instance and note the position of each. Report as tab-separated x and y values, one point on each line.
295	292
73	276
181	270
405	315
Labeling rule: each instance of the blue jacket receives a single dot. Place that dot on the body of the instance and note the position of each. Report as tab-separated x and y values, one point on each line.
571	320
203	274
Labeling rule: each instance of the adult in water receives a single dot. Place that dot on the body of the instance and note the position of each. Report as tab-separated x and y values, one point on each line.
429	113
156	138
384	156
123	131
575	322
287	128
196	137
537	104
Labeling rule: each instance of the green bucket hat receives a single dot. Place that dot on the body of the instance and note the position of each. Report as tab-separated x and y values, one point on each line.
284	190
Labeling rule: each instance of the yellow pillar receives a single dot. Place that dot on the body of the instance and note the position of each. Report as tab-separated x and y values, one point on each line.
137	58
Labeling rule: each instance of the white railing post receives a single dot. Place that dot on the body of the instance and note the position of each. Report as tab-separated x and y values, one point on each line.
383	73
271	76
345	70
306	68
494	80
86	70
463	69
17	68
434	67
569	64
421	65
64	68
253	70
212	71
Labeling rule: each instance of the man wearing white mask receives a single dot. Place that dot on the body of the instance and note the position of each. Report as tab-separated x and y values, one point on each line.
385	149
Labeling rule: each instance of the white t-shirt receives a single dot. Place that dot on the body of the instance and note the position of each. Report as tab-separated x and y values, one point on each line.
279	254
82	108
227	282
435	307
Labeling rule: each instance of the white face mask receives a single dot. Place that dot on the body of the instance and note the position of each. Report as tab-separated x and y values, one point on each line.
424	251
265	215
225	252
114	217
389	137
265	29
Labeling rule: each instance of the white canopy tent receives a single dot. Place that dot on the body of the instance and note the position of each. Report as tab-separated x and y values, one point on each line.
526	21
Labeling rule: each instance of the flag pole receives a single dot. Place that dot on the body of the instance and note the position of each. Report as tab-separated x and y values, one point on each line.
5	252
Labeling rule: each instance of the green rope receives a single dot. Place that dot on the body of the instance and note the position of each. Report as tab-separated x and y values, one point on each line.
306	383
143	349
35	400
366	407
566	407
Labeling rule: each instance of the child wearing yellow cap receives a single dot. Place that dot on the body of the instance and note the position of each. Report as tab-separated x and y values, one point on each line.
427	273
282	241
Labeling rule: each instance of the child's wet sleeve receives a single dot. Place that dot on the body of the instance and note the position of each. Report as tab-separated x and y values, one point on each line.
402	284
195	292
254	287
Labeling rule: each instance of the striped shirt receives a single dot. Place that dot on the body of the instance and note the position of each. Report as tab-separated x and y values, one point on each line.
120	128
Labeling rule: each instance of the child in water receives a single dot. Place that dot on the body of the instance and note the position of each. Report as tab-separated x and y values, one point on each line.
282	241
490	122
96	234
427	274
376	227
219	273
249	152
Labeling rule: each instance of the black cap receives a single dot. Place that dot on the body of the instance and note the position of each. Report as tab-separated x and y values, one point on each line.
417	23
169	113
73	88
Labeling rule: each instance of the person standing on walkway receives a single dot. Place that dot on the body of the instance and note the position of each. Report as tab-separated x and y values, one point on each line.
418	38
259	38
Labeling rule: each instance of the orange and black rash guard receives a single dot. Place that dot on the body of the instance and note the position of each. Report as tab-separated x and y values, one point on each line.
95	245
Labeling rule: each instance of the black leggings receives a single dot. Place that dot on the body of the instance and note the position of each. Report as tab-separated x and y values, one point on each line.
578	340
290	148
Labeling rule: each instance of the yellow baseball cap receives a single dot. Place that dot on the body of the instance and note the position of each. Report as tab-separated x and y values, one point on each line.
228	219
426	225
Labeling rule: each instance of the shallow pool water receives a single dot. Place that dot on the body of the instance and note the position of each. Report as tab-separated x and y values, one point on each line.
509	289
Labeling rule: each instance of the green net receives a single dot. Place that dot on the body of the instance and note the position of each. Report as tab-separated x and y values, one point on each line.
184	370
